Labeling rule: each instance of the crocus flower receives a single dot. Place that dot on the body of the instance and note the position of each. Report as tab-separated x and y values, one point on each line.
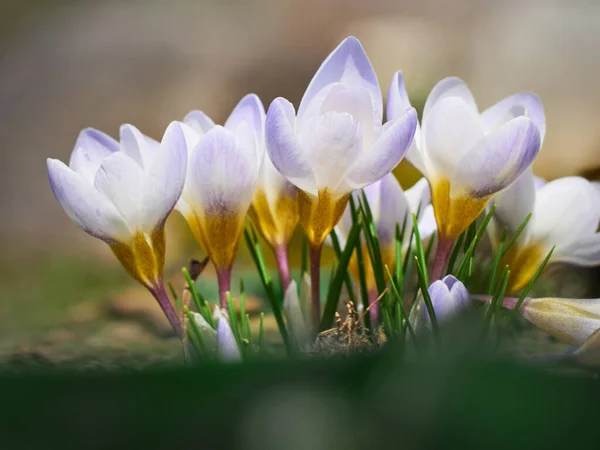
121	193
222	172
569	320
466	156
274	208
335	143
565	214
227	347
448	296
390	207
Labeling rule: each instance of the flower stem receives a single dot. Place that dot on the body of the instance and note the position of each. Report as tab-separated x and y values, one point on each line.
442	253
224	279
283	266
507	302
160	294
373	307
314	254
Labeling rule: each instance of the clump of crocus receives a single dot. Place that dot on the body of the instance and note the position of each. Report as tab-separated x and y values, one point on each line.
468	156
392	208
223	168
335	143
565	215
122	192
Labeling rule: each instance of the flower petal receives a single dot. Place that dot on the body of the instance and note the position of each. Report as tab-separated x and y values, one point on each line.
448	88
498	159
298	326
199	122
525	103
386	153
223	173
137	146
227	347
251	111
283	147
427	223
514	204
121	179
333	142
398	103
419	196
391	207
349	65
91	148
450	130
165	180
85	206
567	213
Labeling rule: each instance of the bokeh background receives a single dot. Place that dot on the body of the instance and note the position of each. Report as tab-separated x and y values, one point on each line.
66	65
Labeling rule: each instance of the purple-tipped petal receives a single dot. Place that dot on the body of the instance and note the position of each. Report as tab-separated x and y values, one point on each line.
387	152
227	347
448	296
223	173
199	122
165	180
283	147
447	88
91	148
398	102
499	159
524	103
251	111
347	64
85	206
450	130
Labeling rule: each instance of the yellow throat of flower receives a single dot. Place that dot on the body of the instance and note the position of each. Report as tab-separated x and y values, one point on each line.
523	263
219	235
275	225
454	215
318	215
144	257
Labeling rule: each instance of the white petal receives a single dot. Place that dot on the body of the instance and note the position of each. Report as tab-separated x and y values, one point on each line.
137	146
85	206
566	214
249	110
199	122
584	251
398	103
525	103
223	173
448	88
498	159
386	153
349	65
275	185
227	347
91	148
514	204
427	223
419	196
121	179
332	144
165	180
294	315
283	147
393	207
450	130
342	229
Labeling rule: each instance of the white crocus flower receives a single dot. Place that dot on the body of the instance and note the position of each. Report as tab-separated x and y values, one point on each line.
223	168
565	214
468	156
122	192
335	143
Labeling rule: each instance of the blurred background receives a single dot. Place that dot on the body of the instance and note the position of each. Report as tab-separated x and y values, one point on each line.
66	65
